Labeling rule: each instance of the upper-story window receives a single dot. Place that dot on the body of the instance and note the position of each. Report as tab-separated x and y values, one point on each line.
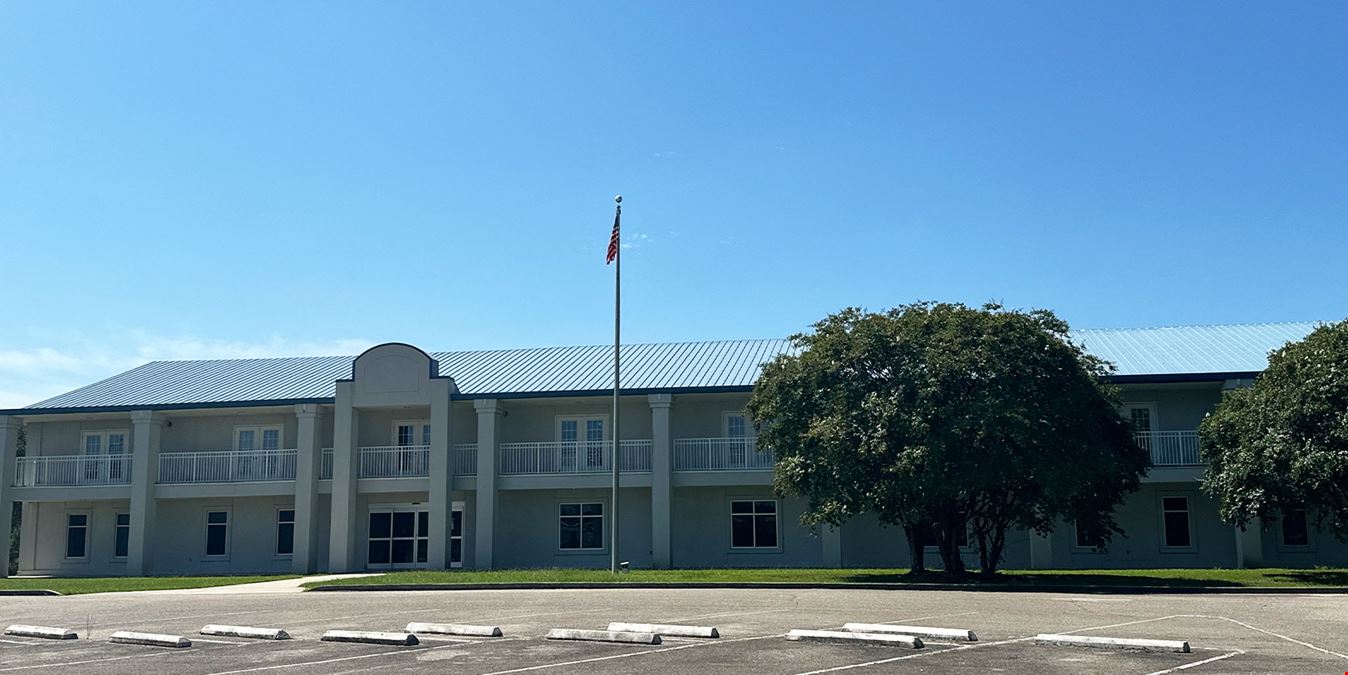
247	439
411	432
112	443
582	440
735	425
1142	416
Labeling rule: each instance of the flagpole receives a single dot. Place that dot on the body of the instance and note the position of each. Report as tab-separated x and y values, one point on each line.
617	338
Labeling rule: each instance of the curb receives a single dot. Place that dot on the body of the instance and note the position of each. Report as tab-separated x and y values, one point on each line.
28	591
791	585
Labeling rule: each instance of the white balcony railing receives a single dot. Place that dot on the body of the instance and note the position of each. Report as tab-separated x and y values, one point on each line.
465	459
573	457
69	470
395	461
226	466
381	465
1170	448
721	454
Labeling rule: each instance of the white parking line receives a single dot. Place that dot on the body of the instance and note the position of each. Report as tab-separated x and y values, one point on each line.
1197	663
220	642
348	658
644	652
918	655
102	660
17	642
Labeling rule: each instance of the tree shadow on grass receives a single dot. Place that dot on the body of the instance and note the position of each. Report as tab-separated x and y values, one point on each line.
1061	579
1316	577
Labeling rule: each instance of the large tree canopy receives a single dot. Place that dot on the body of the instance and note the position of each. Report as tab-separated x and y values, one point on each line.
1282	444
936	415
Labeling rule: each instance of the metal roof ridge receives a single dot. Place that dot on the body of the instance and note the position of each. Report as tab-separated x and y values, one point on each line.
1256	324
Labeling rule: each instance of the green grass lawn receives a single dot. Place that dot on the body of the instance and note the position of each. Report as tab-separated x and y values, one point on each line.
75	586
1018	578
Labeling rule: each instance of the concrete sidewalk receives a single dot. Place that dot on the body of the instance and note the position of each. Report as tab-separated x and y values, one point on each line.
281	586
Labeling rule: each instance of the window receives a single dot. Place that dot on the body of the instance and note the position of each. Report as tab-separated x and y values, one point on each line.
285	532
411	432
736	424
1295	531
122	535
582	442
77	536
1141	416
95	444
1175	522
247	442
456	535
399	536
582	527
217	534
753	523
1084	539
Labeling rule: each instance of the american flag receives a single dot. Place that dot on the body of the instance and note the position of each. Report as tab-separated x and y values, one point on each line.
613	238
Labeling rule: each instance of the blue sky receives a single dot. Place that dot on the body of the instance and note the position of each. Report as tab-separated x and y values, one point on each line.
192	180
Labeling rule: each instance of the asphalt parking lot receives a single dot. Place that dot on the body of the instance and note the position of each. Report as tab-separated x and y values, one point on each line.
1227	633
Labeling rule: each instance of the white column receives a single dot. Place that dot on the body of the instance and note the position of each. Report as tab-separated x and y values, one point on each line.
146	429
345	454
1041	550
831	543
9	452
661	491
441	475
1250	545
308	466
484	523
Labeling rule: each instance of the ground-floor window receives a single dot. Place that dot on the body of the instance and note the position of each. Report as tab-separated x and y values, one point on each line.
456	537
399	537
753	523
581	526
1084	539
77	536
285	532
1295	531
1175	522
122	536
217	534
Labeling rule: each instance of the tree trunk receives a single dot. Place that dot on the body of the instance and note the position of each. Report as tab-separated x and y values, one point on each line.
916	547
950	549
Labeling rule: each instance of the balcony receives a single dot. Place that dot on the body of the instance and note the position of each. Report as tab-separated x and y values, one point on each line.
226	466
1170	448
575	457
721	454
72	470
402	461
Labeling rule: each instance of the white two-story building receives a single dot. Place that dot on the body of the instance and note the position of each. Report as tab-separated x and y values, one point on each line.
401	459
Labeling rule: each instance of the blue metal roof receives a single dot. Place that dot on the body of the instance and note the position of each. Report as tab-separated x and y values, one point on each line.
733	365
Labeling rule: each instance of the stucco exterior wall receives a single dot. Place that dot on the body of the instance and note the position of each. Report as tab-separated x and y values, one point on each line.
527	528
701	531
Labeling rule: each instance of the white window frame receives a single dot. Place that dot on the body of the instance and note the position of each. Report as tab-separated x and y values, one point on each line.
456	507
730	531
421	426
115	527
1078	548
276	534
725	424
1188	514
603	525
88	525
581	439
1297	548
104	435
206	526
1126	411
415	508
258	430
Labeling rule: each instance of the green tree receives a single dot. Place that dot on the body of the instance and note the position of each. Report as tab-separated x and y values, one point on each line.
13	560
947	420
1282	444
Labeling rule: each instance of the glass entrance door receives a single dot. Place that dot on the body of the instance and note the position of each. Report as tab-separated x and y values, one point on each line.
399	536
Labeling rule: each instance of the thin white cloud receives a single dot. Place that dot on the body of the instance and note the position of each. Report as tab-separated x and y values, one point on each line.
636	240
29	374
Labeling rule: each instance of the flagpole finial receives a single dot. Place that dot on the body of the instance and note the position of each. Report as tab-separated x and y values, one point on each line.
618	199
